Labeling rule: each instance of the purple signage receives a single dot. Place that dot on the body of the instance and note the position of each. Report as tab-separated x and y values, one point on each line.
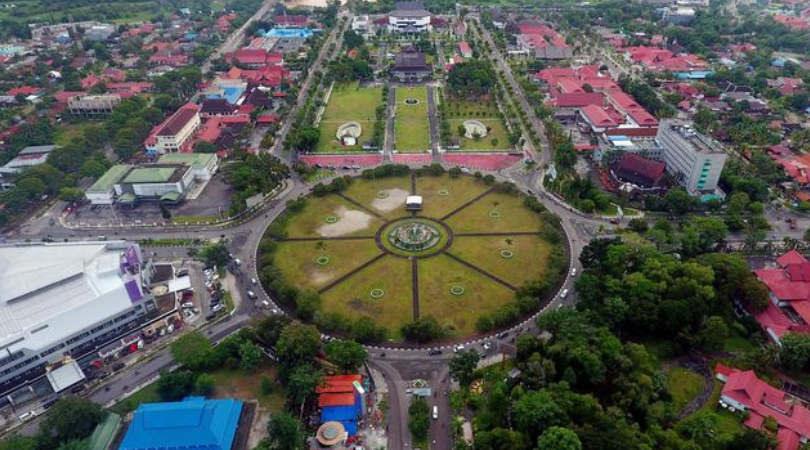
133	291
131	256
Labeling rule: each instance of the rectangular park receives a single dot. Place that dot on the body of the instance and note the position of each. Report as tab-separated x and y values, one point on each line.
411	123
348	103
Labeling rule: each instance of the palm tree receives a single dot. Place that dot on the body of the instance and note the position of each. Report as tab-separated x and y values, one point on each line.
509	242
320	245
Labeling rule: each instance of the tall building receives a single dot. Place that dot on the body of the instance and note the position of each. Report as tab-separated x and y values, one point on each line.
65	300
93	105
695	160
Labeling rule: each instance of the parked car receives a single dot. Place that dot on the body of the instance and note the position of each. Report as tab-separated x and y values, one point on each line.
503	335
28	416
182	273
50	402
458	348
434	352
118	366
487	345
219	307
251	295
564	293
187	305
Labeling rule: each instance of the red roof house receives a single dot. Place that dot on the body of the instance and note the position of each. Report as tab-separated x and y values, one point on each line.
577	99
465	50
744	391
597	118
254	58
640	171
286	21
789	285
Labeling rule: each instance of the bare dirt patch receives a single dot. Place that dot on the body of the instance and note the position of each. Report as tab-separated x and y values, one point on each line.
395	199
351	220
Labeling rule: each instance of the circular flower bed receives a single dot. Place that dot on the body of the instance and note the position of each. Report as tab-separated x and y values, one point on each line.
322	260
507	254
456	290
376	293
331	218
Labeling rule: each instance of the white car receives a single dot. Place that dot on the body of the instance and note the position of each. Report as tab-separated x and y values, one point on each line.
574	272
28	416
487	345
458	348
218	307
564	293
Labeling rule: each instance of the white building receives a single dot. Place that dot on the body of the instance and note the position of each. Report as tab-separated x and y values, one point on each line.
28	157
67	299
696	160
409	18
362	25
174	132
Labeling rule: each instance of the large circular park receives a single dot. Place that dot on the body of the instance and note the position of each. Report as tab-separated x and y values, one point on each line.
369	256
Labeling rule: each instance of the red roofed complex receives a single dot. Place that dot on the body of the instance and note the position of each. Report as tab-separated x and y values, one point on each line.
465	50
577	99
797	23
286	21
744	391
253	58
789	292
597	118
635	169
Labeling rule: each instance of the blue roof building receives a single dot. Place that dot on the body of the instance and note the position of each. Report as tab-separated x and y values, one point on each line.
192	424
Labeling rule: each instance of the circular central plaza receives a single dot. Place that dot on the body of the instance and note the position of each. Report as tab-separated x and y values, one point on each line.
459	256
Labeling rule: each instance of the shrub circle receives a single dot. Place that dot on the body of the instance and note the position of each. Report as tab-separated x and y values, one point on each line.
495	214
507	254
322	260
331	218
382	194
456	290
376	293
443	193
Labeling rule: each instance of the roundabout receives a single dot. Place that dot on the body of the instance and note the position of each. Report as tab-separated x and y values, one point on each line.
365	253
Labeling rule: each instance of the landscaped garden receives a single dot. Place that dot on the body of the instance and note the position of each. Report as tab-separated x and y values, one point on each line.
348	103
459	113
353	250
411	125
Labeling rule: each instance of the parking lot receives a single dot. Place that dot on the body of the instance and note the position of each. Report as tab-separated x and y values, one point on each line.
213	201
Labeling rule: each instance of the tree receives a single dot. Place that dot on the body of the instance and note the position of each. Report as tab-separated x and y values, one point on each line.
422	330
348	355
795	352
204	147
678	201
194	351
419	419
301	384
298	344
71	418
714	333
216	254
755	294
16	442
268	329
462	366
535	412
173	386
204	384
556	438
250	356
92	168
285	432
70	194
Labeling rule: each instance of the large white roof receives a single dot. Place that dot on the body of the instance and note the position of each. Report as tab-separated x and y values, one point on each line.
48	292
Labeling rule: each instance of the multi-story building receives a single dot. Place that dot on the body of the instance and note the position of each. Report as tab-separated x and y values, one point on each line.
93	105
695	160
175	131
65	300
409	18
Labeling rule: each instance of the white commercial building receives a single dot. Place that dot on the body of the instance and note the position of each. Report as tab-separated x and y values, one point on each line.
65	300
174	132
409	17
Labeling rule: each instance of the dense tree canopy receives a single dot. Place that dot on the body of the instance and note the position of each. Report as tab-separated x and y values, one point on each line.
471	79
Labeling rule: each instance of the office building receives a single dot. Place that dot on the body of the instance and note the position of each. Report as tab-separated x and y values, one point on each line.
93	105
692	158
174	132
409	18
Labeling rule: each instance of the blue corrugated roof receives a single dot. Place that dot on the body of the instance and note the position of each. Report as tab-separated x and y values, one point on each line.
194	423
347	415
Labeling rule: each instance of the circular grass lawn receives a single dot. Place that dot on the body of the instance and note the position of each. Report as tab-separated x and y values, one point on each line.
454	260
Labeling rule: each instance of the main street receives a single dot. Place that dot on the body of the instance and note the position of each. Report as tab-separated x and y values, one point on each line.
234	40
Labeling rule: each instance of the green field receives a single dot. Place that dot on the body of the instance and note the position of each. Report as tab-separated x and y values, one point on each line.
510	212
459	191
348	103
386	196
117	12
301	269
411	126
312	221
457	312
486	286
496	140
684	385
529	252
353	296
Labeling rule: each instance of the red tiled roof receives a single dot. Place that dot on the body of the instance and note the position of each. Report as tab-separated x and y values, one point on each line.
298	21
464	48
338	383
25	90
763	400
638	169
578	99
342	399
633	132
791	257
597	116
178	120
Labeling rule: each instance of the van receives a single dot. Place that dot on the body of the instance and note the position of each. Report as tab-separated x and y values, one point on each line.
28	416
574	272
564	293
435	412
